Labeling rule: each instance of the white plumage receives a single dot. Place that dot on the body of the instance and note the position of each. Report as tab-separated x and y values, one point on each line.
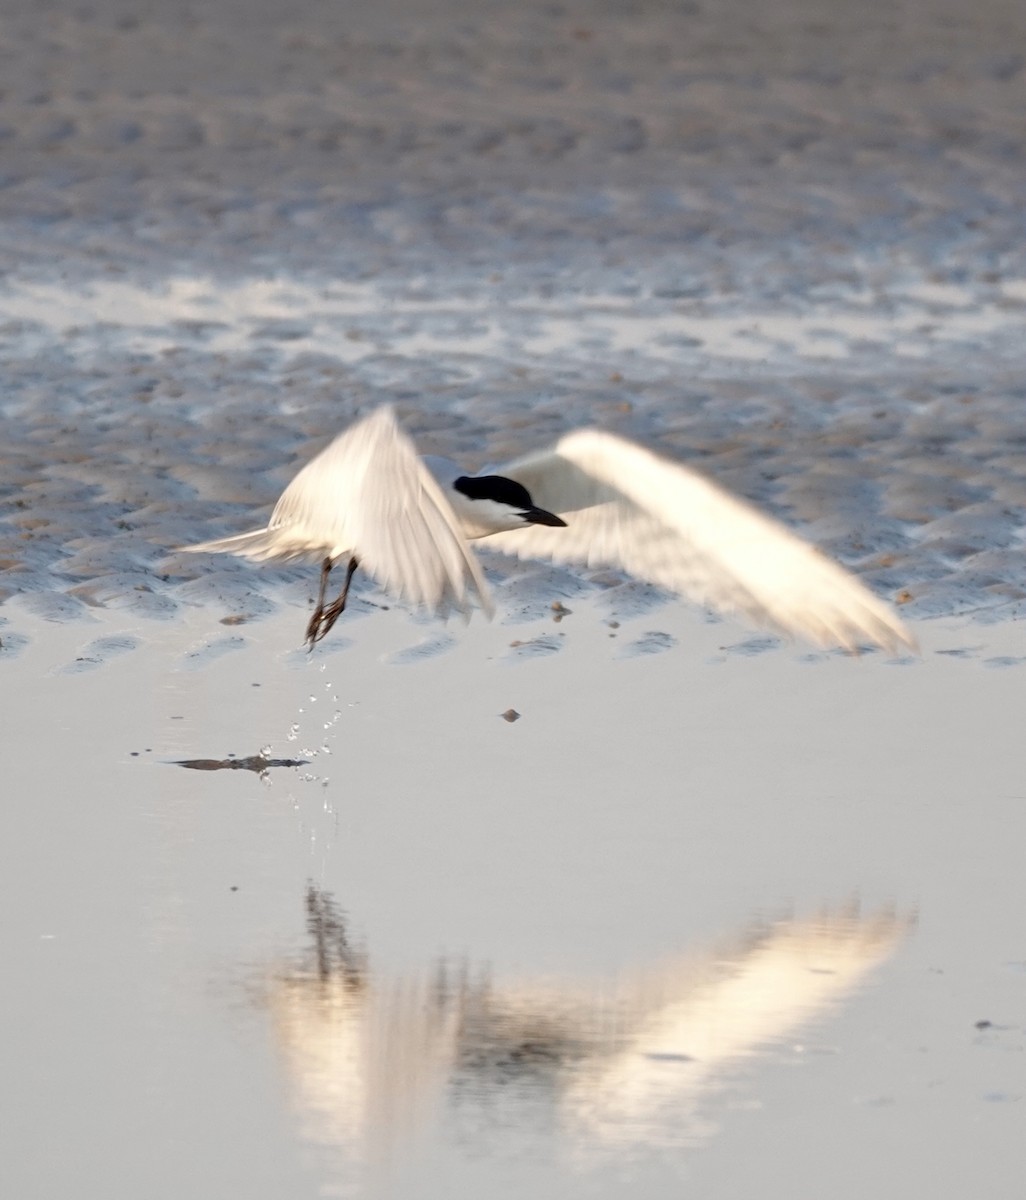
370	498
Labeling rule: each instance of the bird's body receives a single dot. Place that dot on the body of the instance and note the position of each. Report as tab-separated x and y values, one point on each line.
593	498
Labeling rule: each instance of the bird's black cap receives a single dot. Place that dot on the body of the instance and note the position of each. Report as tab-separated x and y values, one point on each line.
505	491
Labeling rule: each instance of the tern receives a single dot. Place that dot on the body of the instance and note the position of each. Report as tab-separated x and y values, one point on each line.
369	500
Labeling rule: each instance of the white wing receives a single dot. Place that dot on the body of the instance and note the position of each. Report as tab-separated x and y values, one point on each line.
626	507
368	494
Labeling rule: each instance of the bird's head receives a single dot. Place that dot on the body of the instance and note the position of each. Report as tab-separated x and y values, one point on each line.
494	504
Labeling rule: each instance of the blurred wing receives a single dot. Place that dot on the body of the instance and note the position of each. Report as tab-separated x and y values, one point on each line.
368	494
626	507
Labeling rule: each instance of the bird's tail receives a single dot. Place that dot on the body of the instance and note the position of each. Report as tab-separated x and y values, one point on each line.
258	545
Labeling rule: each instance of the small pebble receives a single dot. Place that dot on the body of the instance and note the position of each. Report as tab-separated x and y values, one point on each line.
510	715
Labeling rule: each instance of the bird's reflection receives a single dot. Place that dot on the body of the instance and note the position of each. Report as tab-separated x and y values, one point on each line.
374	1060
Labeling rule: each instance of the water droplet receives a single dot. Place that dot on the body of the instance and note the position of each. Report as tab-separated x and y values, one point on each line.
293	732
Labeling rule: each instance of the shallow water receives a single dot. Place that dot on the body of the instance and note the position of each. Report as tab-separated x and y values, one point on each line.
586	951
714	914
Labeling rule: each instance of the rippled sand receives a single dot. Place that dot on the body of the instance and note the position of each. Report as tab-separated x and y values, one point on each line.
793	257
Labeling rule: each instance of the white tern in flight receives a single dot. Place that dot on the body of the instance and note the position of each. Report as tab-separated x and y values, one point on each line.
594	498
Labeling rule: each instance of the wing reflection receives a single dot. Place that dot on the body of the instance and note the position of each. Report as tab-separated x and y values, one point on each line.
686	1024
620	1062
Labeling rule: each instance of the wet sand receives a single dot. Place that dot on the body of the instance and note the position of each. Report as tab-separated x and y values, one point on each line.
716	914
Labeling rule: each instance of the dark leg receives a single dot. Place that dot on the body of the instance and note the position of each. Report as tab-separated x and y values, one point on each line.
318	612
328	616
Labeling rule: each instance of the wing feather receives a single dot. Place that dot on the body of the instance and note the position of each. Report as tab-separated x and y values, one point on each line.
662	522
369	494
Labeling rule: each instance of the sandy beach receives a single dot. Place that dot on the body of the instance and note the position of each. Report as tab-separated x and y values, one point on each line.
715	913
